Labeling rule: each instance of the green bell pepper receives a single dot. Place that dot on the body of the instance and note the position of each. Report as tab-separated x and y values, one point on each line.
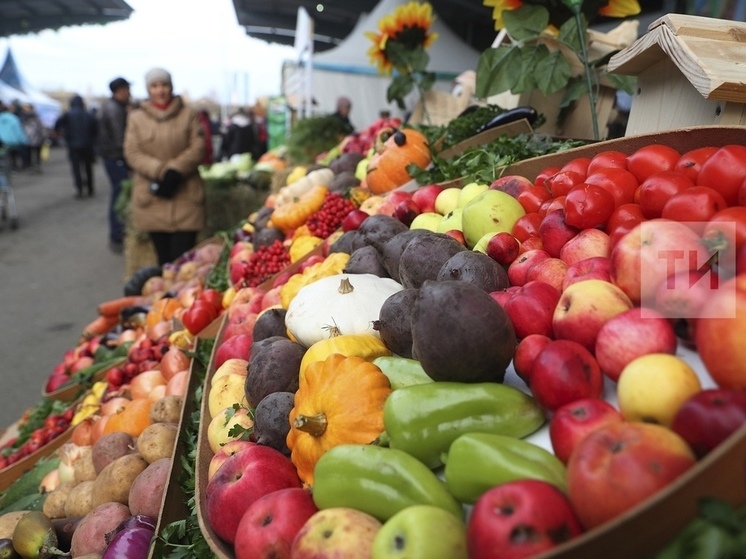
377	480
477	462
423	420
402	371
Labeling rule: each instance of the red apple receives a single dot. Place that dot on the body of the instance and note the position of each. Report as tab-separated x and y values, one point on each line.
240	320
309	261
584	308
502	295
596	267
270	524
682	297
651	252
503	248
226	451
709	417
563	372
456	234
533	242
235	347
271	298
519	267
550	271
531	307
554	232
243	478
720	334
80	363
631	334
520	519
353	220
620	465
251	296
586	244
572	422
425	197
405	211
525	354
512	184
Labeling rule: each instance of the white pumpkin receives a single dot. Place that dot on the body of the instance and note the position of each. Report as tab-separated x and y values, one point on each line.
348	302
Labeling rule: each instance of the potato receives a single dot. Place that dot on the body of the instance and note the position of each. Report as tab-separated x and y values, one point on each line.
8	522
147	490
109	447
54	504
84	468
157	441
90	535
79	501
167	409
114	482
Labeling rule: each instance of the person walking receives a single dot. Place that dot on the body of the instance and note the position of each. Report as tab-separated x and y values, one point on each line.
12	134
112	124
164	146
239	136
35	132
80	130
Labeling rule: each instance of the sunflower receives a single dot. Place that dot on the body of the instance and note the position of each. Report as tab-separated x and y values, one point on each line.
559	12
409	26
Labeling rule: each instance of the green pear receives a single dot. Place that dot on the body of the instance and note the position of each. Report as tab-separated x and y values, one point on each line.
447	200
427	220
469	192
421	532
491	211
451	221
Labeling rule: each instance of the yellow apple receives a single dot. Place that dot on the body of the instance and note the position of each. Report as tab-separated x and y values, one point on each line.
221	425
447	200
427	220
653	387
233	365
451	221
228	390
469	192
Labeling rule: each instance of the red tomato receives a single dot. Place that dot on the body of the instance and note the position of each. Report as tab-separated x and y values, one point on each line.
695	205
588	206
691	162
620	183
545	174
561	183
557	203
526	226
652	159
625	212
725	171
658	189
198	316
214	297
532	198
735	215
579	165
606	159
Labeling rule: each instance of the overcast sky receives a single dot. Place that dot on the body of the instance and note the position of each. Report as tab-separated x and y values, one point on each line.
198	41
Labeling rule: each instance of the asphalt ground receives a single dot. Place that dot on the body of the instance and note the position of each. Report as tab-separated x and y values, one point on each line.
55	268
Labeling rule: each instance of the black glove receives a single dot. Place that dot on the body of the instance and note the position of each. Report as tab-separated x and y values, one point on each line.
169	185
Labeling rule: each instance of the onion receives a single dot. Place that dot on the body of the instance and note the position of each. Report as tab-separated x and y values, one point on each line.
50	482
136	521
69	454
130	543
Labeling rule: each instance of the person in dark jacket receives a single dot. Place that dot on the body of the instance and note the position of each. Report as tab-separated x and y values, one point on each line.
240	135
80	129
111	124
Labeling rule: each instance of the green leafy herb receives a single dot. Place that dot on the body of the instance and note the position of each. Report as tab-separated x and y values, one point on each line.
239	431
218	277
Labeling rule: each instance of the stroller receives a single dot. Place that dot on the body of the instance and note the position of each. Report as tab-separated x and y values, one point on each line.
8	211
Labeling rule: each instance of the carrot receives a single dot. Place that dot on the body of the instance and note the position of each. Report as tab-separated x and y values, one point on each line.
113	306
99	326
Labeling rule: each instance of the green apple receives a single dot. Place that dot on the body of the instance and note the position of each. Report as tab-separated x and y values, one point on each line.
491	211
481	244
362	168
450	221
421	532
447	200
469	192
427	220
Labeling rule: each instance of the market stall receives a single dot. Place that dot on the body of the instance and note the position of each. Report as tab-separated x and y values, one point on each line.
472	335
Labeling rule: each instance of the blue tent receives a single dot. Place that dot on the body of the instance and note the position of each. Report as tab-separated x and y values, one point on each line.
13	87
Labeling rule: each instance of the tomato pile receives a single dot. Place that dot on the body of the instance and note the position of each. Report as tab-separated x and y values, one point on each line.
40	425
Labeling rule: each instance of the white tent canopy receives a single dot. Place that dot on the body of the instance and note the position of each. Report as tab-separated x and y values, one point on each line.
347	70
13	86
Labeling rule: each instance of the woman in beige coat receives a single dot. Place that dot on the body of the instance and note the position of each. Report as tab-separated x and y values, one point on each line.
164	146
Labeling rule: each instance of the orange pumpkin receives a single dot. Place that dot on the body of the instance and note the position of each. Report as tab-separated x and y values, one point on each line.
291	216
388	168
161	310
132	419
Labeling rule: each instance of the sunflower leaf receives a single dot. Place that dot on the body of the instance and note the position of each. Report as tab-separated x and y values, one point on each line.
526	22
531	56
418	59
401	86
568	33
552	73
498	70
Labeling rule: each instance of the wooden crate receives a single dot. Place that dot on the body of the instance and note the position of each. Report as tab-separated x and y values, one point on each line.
690	72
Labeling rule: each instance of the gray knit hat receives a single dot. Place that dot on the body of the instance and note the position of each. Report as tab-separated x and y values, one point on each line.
157	75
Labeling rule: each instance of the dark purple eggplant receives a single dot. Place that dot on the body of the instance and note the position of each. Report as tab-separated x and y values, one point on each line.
512	115
136	521
65	528
130	543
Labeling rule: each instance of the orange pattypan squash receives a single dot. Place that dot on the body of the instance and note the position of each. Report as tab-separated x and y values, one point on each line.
338	401
294	214
388	168
133	418
161	310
